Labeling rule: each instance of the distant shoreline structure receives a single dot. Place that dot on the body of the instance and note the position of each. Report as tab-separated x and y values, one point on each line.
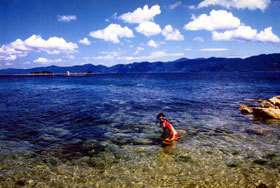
49	73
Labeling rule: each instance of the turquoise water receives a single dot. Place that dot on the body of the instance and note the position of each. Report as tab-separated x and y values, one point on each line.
100	131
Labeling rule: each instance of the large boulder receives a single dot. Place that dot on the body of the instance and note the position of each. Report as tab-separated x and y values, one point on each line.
266	113
275	101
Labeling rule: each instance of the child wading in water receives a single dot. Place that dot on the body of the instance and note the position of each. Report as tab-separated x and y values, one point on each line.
169	133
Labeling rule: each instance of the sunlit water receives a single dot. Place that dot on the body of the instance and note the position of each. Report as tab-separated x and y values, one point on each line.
100	131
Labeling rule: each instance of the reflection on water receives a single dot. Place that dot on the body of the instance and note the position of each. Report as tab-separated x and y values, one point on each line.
100	131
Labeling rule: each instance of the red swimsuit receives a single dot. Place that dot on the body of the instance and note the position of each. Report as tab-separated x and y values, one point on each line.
173	134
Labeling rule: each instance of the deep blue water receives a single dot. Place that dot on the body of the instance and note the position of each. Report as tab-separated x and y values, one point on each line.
32	106
60	114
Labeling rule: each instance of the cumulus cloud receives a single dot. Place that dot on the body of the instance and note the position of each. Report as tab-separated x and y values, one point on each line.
45	60
246	33
144	18
66	18
36	43
239	4
175	5
171	34
152	43
85	41
141	15
199	39
148	28
112	33
225	26
267	36
217	20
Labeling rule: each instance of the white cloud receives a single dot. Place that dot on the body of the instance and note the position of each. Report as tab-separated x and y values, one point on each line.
171	34
106	56
11	58
152	44
139	49
103	57
70	57
242	33
240	4
85	41
152	55
114	16
36	43
175	5
66	18
199	39
112	33
246	33
141	15
53	44
267	36
192	7
188	49
148	28
217	20
45	61
158	54
213	49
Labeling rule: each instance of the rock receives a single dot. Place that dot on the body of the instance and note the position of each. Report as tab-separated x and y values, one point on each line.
275	101
267	113
267	104
255	100
245	109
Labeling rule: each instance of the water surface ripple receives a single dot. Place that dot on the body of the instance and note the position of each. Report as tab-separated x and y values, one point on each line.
100	131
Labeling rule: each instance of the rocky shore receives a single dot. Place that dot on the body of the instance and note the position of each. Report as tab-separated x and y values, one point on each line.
268	109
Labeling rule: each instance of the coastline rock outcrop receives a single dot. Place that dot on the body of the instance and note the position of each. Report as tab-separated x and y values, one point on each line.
269	109
275	101
245	109
267	113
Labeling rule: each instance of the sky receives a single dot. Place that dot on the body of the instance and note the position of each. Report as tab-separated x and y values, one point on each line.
35	33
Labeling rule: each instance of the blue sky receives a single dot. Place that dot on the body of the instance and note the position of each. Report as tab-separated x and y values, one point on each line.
37	33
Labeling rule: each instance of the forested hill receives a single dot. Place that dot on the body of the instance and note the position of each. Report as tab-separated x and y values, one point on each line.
270	62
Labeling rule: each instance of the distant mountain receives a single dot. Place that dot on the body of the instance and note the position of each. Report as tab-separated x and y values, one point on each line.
270	62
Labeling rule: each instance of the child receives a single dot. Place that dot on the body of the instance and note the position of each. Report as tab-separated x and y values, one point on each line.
169	132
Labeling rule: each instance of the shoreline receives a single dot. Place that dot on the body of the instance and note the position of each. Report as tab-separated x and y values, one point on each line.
115	73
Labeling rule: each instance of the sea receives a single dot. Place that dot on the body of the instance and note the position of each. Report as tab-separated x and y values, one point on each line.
100	130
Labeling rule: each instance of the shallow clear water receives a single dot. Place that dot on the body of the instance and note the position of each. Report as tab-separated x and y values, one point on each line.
100	131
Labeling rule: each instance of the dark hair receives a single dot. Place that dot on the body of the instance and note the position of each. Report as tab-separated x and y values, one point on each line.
160	115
